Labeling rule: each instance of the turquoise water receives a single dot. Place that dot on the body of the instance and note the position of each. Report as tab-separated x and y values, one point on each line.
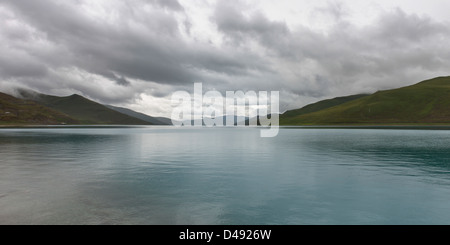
165	175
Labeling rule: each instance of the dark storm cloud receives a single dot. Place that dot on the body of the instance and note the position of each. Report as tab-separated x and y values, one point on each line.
104	48
141	45
62	45
120	80
171	4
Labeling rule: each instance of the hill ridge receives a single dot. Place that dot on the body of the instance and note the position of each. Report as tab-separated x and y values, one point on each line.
426	102
83	109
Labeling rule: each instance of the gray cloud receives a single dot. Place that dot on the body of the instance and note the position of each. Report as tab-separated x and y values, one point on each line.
347	57
145	45
170	4
124	49
232	21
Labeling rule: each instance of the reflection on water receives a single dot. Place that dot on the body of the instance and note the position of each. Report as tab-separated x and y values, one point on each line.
162	175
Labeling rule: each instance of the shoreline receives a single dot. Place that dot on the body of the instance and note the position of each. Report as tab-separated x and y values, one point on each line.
78	126
381	126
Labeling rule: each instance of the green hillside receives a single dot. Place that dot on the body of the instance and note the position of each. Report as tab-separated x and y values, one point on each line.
427	102
14	111
321	105
84	110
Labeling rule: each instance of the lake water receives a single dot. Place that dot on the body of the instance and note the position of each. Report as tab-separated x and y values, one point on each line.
165	175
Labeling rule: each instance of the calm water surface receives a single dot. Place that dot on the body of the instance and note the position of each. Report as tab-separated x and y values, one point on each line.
164	175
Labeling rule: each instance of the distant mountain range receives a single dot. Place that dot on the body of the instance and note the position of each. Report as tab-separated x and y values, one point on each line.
33	108
142	116
236	120
425	103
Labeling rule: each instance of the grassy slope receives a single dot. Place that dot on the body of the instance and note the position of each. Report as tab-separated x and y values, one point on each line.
427	102
321	105
90	112
14	111
84	110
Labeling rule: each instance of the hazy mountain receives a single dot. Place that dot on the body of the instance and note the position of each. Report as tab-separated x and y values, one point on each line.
236	119
164	120
141	116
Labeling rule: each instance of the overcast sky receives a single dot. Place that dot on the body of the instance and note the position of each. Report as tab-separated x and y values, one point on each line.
136	53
